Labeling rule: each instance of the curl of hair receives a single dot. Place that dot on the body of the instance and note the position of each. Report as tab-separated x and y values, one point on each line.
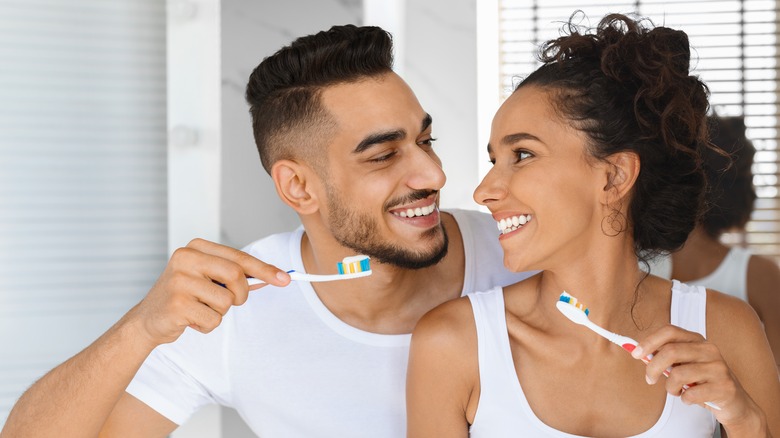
627	85
284	89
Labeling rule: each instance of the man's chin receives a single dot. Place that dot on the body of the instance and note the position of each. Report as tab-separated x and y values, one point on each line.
415	260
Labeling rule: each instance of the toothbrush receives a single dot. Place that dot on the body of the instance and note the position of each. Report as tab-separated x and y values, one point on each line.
578	313
349	268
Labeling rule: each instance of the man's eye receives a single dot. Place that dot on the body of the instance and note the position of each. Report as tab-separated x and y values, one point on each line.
382	158
427	142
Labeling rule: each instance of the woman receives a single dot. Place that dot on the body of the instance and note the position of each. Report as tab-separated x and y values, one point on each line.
596	159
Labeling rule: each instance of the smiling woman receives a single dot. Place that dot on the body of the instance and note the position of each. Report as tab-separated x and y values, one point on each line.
601	149
735	52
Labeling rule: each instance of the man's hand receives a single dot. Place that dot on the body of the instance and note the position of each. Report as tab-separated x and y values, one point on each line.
198	286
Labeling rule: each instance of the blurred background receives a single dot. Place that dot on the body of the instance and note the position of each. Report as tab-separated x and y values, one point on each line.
124	134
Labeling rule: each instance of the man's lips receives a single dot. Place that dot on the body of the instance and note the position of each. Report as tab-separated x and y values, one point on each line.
424	207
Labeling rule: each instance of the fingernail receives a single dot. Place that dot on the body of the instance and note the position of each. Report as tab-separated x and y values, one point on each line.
637	353
282	276
649	380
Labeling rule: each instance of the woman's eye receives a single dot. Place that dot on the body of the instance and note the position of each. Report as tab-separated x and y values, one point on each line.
522	155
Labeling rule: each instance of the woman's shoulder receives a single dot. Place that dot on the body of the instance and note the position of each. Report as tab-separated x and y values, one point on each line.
734	327
447	322
727	310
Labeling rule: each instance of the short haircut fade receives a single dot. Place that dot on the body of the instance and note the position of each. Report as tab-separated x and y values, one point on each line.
283	92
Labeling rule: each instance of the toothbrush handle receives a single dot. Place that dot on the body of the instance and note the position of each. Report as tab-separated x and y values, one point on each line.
302	276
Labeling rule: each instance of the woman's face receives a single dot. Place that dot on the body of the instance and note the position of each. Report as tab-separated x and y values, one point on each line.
543	184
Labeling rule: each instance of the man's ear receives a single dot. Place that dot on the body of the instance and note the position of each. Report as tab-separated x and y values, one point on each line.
296	185
621	174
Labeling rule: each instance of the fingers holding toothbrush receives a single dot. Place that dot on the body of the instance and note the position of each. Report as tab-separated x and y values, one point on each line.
697	372
187	294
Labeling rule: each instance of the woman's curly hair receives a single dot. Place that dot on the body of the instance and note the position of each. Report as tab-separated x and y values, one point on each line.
627	85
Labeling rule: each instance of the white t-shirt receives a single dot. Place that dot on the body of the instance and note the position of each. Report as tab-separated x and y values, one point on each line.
504	411
292	368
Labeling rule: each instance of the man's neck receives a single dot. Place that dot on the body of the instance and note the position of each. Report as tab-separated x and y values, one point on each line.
392	299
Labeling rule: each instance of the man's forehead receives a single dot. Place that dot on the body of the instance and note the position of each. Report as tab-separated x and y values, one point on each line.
376	102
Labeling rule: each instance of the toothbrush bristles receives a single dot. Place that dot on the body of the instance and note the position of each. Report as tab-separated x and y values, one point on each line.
352	266
566	298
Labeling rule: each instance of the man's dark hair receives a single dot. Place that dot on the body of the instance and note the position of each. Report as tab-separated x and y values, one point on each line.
283	92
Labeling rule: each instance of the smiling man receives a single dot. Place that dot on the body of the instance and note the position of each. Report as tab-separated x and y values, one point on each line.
349	148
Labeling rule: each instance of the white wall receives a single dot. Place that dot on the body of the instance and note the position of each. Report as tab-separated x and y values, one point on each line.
441	67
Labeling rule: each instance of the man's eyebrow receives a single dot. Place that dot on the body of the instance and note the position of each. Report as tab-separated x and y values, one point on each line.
378	138
384	137
426	122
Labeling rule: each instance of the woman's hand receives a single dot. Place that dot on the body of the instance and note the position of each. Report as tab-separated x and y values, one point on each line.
698	373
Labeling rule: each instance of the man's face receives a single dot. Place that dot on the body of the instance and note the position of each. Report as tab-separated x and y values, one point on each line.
383	177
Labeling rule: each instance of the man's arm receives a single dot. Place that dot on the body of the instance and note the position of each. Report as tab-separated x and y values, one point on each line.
132	418
77	397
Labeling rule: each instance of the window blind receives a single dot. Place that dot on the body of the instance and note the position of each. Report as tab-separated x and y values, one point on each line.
83	216
734	48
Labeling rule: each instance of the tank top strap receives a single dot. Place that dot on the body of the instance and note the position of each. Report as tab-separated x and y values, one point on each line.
492	336
689	307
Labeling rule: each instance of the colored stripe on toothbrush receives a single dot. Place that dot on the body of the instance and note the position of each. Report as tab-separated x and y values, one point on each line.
351	267
567	304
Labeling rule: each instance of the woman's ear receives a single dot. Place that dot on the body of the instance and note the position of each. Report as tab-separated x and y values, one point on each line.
622	172
295	185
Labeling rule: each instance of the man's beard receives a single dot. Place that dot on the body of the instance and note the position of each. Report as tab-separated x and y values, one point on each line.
360	232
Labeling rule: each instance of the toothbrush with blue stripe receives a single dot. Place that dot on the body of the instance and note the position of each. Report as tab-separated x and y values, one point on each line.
578	313
351	267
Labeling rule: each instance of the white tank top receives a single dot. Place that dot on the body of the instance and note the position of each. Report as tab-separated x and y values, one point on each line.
503	410
730	277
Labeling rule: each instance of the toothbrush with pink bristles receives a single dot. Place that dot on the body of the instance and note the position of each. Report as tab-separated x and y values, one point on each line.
578	313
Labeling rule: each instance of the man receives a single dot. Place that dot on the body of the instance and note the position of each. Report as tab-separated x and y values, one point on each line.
350	150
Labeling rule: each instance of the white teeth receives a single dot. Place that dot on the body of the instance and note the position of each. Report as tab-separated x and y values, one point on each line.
419	211
507	225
